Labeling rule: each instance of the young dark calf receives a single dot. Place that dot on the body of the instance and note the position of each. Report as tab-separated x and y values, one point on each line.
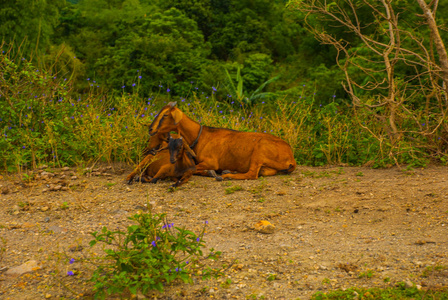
174	160
156	155
182	164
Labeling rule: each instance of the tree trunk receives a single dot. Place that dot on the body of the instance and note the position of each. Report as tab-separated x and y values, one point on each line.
440	46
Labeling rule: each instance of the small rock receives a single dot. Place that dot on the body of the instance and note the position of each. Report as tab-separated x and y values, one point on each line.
419	287
142	208
56	188
14	225
43	167
27	225
27	267
264	227
408	284
47	219
5	190
74	177
65	169
47	174
45	208
48	296
76	248
56	229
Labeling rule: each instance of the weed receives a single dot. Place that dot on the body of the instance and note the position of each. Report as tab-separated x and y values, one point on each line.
226	284
150	255
325	281
2	248
109	184
64	205
272	277
367	274
359	174
398	292
234	189
429	270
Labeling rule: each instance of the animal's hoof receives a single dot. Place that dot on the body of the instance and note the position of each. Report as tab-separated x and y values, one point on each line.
226	172
130	181
219	178
154	180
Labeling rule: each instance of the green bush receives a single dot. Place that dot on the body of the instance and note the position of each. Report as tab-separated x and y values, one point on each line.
150	255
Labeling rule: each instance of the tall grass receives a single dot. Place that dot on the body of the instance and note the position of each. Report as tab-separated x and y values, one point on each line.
44	122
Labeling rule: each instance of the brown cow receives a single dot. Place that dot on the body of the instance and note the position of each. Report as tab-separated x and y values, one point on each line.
246	154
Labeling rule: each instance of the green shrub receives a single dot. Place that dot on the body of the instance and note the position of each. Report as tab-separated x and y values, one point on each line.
150	255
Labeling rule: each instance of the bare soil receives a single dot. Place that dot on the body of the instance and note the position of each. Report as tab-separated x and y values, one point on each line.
335	227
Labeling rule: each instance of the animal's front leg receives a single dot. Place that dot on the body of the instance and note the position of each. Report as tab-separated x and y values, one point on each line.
206	169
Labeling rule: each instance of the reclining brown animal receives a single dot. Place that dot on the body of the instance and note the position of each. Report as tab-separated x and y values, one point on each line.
176	161
156	144
249	154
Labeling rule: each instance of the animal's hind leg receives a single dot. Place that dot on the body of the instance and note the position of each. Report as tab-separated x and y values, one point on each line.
266	171
253	172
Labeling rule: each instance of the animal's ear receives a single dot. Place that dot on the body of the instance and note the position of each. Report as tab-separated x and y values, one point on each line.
177	116
172	104
189	150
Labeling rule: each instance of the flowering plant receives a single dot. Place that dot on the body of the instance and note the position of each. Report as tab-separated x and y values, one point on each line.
150	255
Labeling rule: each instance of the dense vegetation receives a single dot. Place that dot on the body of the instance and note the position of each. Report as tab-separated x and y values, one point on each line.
80	78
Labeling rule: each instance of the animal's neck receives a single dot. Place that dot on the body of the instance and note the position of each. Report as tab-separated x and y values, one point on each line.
189	129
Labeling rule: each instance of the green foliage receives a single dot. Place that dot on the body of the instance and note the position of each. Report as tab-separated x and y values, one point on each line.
150	255
399	292
233	189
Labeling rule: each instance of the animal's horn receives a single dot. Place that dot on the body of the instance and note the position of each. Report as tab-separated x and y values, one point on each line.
172	104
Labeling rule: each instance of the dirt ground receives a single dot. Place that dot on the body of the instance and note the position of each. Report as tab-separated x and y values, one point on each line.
335	227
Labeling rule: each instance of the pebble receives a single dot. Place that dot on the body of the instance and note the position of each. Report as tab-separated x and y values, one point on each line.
27	267
408	284
56	229
45	208
264	227
48	296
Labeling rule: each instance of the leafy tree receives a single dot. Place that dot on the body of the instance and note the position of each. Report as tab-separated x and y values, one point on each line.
29	21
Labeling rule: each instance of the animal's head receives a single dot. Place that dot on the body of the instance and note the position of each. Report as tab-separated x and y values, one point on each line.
177	147
157	142
166	120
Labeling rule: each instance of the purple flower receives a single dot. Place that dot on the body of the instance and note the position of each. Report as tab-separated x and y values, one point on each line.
198	239
153	243
72	261
178	269
70	273
167	90
206	222
139	77
23	147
